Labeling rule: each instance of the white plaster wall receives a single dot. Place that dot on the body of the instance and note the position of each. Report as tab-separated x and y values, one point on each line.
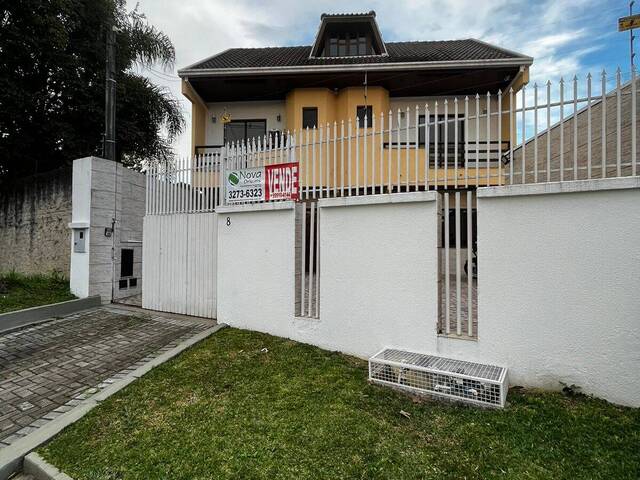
558	290
267	110
378	264
378	276
80	215
256	267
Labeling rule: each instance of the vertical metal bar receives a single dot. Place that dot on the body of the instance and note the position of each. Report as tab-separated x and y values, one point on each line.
328	158
426	146
365	159
320	161
633	121
407	145
365	152
389	151
303	256
373	153
342	158
357	156
548	167
470	241
349	138
524	134
466	141
477	139
589	147
435	145
455	141
307	164
603	133
398	151
499	137
488	138
618	125
458	267
313	160
511	135
381	152
335	159
561	129
416	152
317	263
445	140
535	133
575	127
312	241
447	299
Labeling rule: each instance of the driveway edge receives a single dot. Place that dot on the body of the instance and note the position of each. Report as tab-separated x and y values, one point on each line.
11	457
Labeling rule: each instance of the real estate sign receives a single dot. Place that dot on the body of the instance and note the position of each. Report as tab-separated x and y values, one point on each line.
263	184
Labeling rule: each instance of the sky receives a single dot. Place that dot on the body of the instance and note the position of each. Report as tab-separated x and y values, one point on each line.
565	38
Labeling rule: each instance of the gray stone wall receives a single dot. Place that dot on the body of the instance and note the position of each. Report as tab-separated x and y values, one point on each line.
34	217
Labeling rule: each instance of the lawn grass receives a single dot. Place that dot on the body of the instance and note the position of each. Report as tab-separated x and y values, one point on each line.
24	291
226	409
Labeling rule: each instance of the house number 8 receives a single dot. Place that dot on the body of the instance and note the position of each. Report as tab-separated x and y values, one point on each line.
228	221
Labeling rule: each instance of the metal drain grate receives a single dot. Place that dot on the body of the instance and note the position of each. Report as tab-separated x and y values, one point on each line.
442	377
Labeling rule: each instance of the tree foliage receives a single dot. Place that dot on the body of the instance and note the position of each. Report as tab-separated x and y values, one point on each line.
52	77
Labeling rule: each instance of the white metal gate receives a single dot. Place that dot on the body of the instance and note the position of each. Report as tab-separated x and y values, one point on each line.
180	257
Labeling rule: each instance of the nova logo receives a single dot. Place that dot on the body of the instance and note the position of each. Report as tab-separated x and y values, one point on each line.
234	178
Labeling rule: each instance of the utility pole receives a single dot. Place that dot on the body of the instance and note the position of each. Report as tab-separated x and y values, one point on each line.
110	97
629	23
631	37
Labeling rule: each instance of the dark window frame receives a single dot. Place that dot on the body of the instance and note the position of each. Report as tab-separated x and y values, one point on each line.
450	131
126	262
308	110
246	122
366	109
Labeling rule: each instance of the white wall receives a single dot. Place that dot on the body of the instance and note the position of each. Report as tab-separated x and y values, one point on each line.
80	218
256	267
179	263
378	284
378	274
559	298
267	110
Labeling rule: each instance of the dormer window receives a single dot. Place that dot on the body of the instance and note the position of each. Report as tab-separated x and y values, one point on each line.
348	36
347	45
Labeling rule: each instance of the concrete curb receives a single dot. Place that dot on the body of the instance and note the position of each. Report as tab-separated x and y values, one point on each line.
11	457
20	318
40	469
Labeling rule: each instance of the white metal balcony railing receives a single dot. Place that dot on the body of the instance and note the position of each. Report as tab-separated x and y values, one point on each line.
455	143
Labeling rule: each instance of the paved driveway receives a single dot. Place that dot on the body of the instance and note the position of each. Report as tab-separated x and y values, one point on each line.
47	369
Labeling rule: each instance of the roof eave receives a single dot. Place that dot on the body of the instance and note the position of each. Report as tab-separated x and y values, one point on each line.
486	63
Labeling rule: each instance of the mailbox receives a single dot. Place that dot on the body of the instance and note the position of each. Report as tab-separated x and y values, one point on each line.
79	239
80	231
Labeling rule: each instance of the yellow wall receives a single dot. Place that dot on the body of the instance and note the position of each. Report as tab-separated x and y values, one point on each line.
198	116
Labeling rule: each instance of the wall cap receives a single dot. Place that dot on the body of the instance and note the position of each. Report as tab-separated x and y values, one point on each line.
572	186
256	207
379	199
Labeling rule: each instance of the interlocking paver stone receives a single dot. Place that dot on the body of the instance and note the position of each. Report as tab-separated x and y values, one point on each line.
48	368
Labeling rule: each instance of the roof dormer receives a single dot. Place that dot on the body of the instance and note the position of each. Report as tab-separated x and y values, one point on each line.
348	35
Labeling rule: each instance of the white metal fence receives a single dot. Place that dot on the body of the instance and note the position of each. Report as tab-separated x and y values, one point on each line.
556	133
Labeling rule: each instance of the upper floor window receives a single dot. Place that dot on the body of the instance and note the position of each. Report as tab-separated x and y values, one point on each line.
361	112
238	130
309	117
347	45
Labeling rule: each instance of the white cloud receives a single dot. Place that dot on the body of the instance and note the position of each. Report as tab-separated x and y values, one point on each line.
554	32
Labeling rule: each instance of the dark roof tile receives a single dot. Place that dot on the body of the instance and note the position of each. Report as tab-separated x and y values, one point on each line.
398	52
